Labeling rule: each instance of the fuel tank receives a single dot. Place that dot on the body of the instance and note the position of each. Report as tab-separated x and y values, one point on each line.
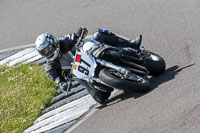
89	45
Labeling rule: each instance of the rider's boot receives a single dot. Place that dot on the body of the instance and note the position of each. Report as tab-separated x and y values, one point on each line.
124	42
117	40
137	42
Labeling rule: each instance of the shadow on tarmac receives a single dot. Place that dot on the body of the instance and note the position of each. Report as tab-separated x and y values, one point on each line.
168	75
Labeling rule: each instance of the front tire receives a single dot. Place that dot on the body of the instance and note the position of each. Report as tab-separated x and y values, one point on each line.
112	78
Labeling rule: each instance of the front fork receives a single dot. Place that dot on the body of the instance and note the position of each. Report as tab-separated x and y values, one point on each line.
122	70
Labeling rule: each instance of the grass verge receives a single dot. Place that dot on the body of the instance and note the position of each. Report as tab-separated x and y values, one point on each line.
24	91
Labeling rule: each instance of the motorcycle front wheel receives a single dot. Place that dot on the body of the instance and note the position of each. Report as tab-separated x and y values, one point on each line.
130	83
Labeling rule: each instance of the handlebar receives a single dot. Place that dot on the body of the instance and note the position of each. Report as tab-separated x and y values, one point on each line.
81	39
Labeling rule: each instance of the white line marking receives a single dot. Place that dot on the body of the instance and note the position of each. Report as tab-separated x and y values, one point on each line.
90	113
17	48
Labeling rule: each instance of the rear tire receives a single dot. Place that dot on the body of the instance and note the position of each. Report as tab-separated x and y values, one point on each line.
155	64
109	77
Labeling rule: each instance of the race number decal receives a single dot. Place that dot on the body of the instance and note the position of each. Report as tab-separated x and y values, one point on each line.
83	70
84	65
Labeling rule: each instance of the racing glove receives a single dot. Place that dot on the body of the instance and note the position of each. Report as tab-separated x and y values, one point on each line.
79	31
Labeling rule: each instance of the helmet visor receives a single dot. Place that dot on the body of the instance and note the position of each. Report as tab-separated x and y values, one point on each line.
48	51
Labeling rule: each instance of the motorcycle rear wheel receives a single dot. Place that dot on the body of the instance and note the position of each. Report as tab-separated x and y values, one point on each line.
155	64
113	78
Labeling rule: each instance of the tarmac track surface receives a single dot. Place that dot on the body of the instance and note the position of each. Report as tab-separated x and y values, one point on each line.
169	28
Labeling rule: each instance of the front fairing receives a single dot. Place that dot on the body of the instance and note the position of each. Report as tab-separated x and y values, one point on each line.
84	66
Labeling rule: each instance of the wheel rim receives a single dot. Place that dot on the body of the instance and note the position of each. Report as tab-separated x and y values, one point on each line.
129	77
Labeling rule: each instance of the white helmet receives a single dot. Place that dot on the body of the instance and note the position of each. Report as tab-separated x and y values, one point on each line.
48	46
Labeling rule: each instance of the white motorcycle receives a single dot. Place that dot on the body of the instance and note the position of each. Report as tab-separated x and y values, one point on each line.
128	72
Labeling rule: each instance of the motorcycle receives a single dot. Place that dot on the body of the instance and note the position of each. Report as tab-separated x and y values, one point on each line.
127	71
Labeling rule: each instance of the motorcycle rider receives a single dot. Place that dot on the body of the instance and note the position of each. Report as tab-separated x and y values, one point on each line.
59	54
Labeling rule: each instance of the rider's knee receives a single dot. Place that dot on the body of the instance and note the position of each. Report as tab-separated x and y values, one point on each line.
99	37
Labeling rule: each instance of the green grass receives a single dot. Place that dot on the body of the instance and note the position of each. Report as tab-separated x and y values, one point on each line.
24	91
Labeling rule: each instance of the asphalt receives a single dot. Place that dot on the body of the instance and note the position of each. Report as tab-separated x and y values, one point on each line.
169	28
